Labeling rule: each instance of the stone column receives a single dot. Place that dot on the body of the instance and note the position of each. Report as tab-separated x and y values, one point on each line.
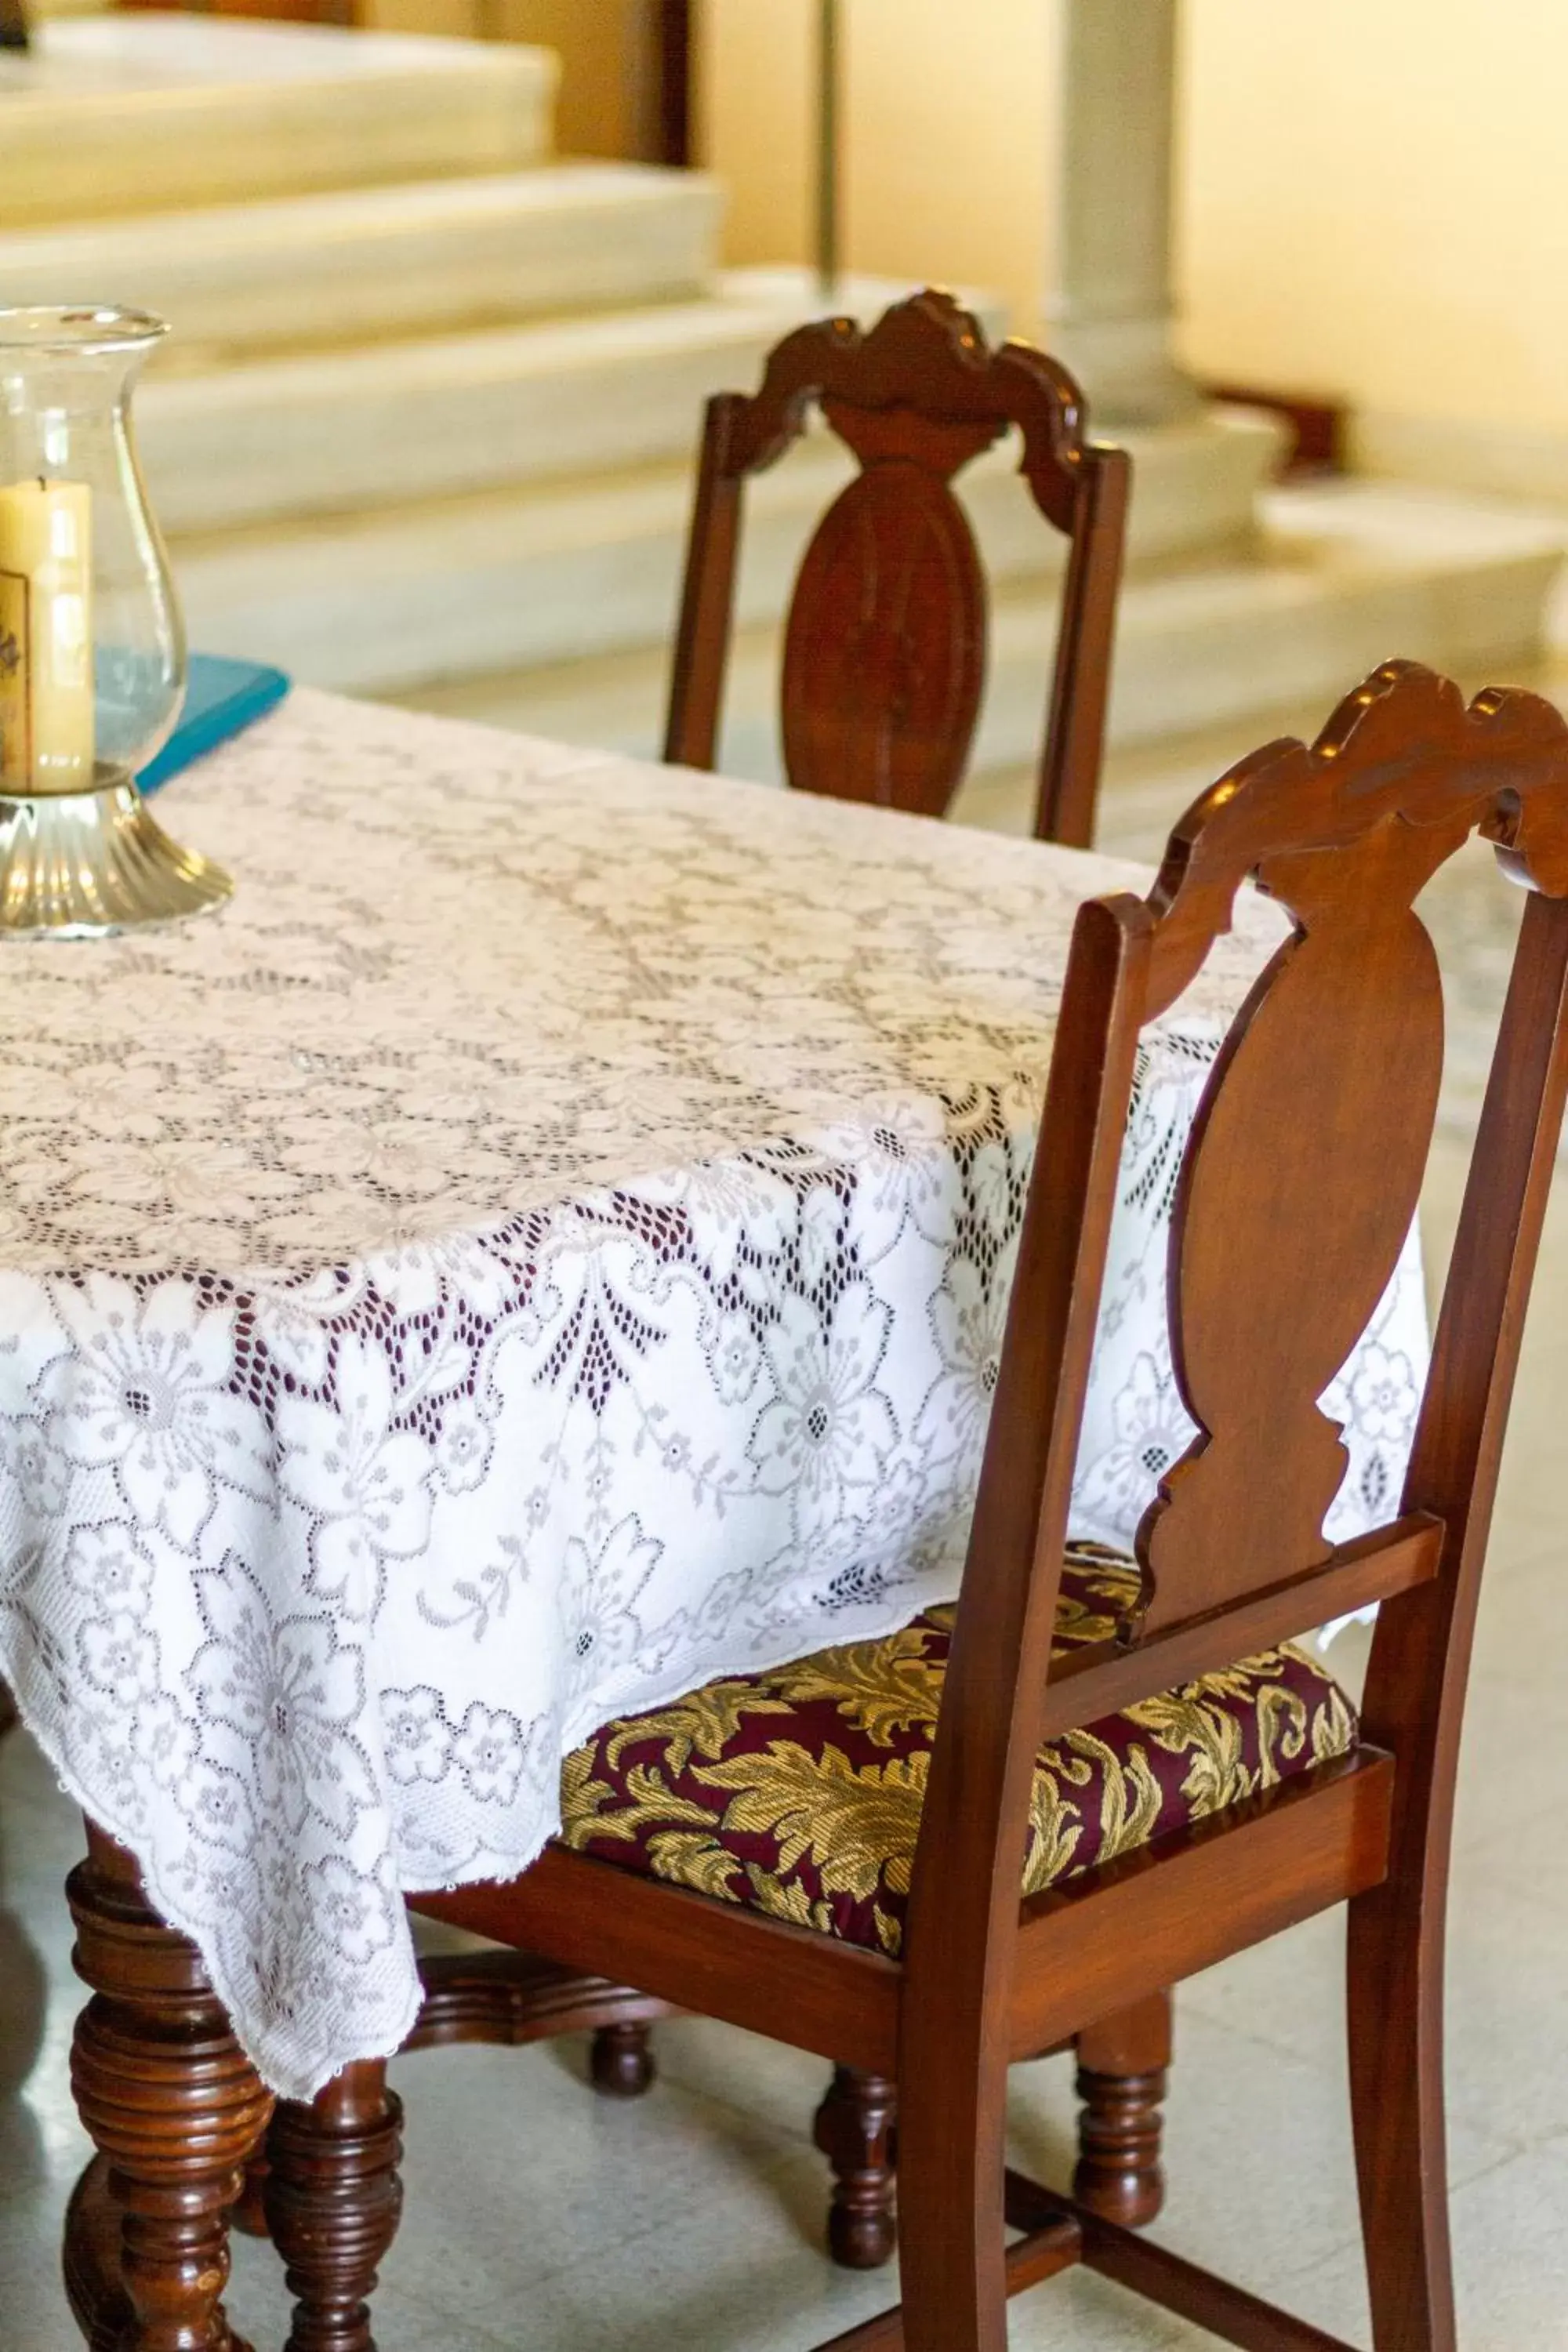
1108	301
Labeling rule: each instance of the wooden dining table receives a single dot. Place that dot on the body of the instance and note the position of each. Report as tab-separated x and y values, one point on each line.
544	1245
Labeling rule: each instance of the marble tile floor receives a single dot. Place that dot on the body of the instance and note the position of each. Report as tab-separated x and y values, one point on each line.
541	2218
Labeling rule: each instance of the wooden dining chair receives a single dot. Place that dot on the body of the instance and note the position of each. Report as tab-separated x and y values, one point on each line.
931	1856
884	657
883	671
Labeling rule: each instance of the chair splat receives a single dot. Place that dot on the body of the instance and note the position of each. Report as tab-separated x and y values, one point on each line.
1298	1187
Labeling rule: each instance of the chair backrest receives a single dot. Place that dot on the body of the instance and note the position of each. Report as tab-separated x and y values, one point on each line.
1298	1186
885	646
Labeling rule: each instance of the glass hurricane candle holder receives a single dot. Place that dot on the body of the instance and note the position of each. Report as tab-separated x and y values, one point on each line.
92	650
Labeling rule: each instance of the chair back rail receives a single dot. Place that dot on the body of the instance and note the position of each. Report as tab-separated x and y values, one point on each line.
884	659
1298	1186
1104	1677
1074	747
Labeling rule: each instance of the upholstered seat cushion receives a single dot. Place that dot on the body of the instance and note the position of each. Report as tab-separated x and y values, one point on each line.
798	1792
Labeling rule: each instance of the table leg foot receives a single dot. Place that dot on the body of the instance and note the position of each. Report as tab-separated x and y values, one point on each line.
333	2200
174	2107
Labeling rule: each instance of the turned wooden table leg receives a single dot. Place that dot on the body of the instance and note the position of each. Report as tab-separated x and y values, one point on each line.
333	2199
1121	2065
250	2214
854	2129
172	2106
621	2062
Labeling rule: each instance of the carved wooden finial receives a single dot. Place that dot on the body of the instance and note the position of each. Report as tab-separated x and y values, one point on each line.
1403	743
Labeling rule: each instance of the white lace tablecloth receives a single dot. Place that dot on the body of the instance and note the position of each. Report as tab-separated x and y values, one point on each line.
545	1244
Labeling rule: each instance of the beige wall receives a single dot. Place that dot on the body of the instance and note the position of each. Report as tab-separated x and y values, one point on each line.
1376	201
1373	200
458	19
1372	197
604	99
599	42
944	152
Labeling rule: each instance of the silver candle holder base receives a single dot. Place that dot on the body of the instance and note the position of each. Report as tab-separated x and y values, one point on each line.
81	866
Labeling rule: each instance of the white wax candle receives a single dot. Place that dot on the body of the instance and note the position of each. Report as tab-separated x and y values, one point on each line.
45	637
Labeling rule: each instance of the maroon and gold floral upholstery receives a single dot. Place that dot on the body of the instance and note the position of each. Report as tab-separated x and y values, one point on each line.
798	1792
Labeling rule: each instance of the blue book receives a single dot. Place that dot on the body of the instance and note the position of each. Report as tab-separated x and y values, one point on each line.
221	698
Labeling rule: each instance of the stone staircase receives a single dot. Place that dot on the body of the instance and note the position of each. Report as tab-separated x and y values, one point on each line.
144	114
425	430
424	257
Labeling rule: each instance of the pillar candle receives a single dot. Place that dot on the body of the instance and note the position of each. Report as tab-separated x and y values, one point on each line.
45	637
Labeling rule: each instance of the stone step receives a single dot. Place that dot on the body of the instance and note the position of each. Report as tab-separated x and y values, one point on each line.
333	432
423	258
398	422
1341	579
339	431
555	569
138	112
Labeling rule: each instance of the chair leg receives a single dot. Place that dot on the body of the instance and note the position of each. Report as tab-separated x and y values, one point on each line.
1394	2014
621	2063
854	2129
7	1710
952	2124
1122	2065
334	2202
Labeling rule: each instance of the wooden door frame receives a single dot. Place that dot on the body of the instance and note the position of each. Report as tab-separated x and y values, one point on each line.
673	76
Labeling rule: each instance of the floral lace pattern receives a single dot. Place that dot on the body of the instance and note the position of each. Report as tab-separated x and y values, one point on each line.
544	1245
